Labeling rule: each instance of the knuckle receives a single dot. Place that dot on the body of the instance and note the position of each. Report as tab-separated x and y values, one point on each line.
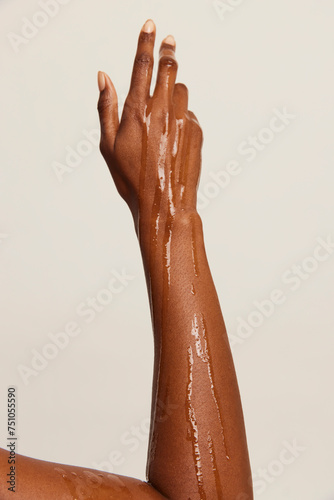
168	62
181	93
133	110
137	116
104	103
196	130
193	120
143	59
198	133
103	147
181	87
162	115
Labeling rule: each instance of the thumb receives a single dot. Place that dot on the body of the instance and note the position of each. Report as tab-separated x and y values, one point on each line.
108	111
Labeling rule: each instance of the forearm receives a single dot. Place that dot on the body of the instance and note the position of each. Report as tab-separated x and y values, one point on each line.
197	444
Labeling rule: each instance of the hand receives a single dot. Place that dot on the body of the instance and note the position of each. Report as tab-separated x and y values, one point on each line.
154	153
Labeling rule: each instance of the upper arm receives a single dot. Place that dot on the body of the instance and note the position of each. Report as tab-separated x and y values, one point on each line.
37	480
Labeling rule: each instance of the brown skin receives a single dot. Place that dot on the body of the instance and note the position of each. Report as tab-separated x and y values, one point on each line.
198	447
40	480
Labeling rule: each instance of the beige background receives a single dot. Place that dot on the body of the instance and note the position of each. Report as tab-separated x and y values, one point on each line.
61	236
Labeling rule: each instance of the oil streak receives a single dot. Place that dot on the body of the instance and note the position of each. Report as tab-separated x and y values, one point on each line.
214	463
193	251
185	167
153	243
143	168
202	352
212	385
191	417
198	330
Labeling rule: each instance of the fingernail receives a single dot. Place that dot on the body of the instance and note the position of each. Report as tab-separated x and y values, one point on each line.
169	40
101	80
148	26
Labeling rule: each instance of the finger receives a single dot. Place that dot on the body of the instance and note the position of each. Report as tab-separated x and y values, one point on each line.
191	155
108	110
195	152
180	100
167	70
193	117
143	64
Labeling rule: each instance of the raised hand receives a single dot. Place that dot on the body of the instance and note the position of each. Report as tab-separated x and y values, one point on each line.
154	153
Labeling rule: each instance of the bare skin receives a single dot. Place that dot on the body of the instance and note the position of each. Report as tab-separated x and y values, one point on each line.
197	447
41	480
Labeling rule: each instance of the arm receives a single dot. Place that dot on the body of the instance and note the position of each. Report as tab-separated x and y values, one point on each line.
41	480
197	424
197	443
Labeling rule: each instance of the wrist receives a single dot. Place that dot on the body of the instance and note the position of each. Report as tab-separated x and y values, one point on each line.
162	237
156	226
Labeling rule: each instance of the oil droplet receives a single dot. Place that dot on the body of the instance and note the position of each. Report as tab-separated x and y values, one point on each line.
69	483
92	479
117	486
83	486
61	471
118	481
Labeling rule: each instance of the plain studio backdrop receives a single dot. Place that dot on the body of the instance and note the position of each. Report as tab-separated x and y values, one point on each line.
76	338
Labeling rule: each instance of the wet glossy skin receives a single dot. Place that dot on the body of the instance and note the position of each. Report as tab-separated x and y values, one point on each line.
197	447
40	480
